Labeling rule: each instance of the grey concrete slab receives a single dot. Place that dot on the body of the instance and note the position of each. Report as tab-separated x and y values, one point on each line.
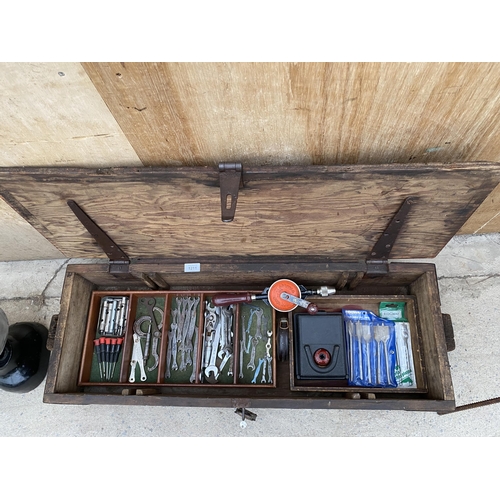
469	282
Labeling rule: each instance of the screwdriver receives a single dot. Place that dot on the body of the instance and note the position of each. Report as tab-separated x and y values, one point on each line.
98	352
116	346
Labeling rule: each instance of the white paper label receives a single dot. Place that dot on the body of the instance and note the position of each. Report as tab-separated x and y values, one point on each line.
192	268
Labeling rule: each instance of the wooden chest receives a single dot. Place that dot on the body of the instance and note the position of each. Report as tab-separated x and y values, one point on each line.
178	232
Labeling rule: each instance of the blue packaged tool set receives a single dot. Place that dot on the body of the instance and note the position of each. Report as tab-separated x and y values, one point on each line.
355	347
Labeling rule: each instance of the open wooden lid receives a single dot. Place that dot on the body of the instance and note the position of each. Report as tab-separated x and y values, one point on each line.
336	212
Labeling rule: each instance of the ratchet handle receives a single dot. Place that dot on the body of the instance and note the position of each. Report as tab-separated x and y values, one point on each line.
226	299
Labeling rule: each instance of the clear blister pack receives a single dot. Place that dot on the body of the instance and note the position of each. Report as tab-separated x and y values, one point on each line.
371	349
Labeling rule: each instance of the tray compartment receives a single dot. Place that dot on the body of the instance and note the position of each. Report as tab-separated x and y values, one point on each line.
369	302
257	332
185	311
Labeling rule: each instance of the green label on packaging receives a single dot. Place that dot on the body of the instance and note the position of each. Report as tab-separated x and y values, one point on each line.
395	311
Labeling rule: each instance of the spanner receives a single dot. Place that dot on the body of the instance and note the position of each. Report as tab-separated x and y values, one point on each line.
212	367
137	358
195	356
263	379
251	363
261	361
226	358
269	358
242	350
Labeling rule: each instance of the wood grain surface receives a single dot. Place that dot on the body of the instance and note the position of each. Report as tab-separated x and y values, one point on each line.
20	241
336	212
309	113
304	113
52	115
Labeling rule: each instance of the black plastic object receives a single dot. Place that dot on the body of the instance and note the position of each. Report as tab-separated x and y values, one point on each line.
319	346
25	357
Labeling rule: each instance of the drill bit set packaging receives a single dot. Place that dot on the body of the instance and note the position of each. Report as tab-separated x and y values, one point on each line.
405	369
371	349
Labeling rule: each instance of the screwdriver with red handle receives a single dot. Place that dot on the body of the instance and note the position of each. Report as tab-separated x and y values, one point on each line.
98	352
107	351
115	354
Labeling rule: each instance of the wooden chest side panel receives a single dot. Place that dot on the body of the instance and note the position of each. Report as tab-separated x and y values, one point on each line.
433	338
66	355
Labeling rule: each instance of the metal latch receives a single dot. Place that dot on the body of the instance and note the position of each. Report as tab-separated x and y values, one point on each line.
118	260
230	178
377	261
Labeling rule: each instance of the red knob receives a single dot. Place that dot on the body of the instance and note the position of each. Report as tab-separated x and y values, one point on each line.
322	357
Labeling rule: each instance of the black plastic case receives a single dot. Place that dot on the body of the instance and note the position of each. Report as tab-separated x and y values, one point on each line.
320	336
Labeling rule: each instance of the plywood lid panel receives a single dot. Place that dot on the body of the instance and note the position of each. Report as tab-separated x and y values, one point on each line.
337	212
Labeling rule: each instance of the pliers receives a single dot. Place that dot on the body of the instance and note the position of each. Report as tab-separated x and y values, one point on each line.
137	358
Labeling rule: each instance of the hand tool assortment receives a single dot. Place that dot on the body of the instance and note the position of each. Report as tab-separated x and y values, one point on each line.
376	350
111	328
107	351
148	328
371	349
256	347
113	316
183	336
218	343
213	361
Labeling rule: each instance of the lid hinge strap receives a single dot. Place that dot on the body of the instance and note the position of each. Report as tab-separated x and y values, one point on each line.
377	262
118	260
230	177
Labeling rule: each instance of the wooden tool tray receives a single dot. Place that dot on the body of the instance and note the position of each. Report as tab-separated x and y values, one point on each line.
162	231
89	372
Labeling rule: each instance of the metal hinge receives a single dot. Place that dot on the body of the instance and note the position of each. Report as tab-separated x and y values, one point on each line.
377	263
377	267
118	260
230	177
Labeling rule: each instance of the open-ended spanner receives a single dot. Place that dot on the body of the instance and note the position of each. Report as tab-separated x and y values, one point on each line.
226	358
192	378
269	358
242	350
251	363
258	329
263	379
212	367
261	362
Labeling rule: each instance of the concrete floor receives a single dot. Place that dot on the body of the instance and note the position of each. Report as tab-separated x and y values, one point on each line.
469	281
